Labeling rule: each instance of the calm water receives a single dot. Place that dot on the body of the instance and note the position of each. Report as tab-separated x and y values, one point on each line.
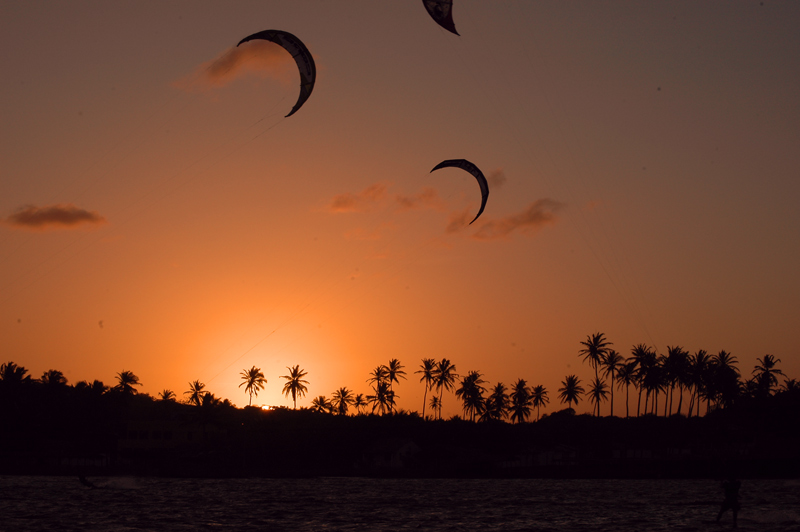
123	503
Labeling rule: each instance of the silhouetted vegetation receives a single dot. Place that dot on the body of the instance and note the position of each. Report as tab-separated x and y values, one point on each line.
51	426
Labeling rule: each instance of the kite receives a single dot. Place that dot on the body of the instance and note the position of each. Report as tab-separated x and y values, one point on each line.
475	171
305	63
442	12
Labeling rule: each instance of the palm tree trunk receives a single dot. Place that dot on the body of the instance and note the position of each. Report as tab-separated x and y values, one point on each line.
612	395
626	401
680	398
639	403
424	400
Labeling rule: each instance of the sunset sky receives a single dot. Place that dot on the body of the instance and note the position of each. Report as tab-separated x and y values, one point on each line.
160	215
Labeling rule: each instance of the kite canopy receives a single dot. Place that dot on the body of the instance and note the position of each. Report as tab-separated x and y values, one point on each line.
305	63
442	12
475	171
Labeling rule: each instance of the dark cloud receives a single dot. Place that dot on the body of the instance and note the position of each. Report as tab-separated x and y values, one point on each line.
255	57
538	214
360	202
496	179
53	217
427	199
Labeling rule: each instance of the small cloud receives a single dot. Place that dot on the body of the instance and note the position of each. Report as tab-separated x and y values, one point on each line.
496	179
427	199
459	221
360	202
258	57
538	214
53	216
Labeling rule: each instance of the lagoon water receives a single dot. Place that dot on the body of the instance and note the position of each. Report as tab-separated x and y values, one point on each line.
132	503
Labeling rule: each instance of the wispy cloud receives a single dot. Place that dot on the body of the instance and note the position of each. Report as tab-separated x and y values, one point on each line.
359	202
257	57
59	216
538	214
427	199
496	179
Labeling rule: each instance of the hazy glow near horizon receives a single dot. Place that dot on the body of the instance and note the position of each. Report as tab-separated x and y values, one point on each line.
160	215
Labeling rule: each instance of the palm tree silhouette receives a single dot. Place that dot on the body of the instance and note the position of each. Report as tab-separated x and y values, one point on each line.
295	384
195	393
383	399
126	380
342	398
436	406
496	406
11	374
444	378
570	391
725	377
393	371
53	377
471	394
359	402
598	393
697	368
254	381
626	375
643	357
166	395
521	401
611	364
766	374
539	396
594	350
427	368
321	404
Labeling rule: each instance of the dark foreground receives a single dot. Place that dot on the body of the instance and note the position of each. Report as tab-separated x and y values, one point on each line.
544	505
135	435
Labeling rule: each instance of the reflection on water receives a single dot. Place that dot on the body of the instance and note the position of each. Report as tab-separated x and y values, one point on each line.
63	503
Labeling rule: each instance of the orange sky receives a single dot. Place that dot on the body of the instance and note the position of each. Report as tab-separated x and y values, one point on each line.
642	160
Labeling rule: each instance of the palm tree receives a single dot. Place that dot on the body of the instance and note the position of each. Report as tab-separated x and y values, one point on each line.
359	402
790	386
626	375
539	397
53	377
613	361
295	384
570	391
726	378
321	404
126	381
642	357
342	398
520	402
766	374
254	380
697	368
378	375
393	371
444	378
595	350
427	369
436	406
167	395
10	373
383	399
597	393
471	394
496	406
195	393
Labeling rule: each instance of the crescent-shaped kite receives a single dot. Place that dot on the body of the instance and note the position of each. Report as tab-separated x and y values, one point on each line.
305	63
442	12
475	171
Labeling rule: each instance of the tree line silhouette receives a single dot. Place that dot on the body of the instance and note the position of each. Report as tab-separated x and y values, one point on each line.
713	379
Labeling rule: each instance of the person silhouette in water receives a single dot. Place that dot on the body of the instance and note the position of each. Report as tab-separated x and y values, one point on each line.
731	489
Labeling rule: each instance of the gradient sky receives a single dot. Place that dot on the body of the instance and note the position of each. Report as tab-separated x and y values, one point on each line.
161	216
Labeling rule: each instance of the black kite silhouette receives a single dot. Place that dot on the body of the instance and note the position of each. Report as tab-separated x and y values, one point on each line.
475	171
303	58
